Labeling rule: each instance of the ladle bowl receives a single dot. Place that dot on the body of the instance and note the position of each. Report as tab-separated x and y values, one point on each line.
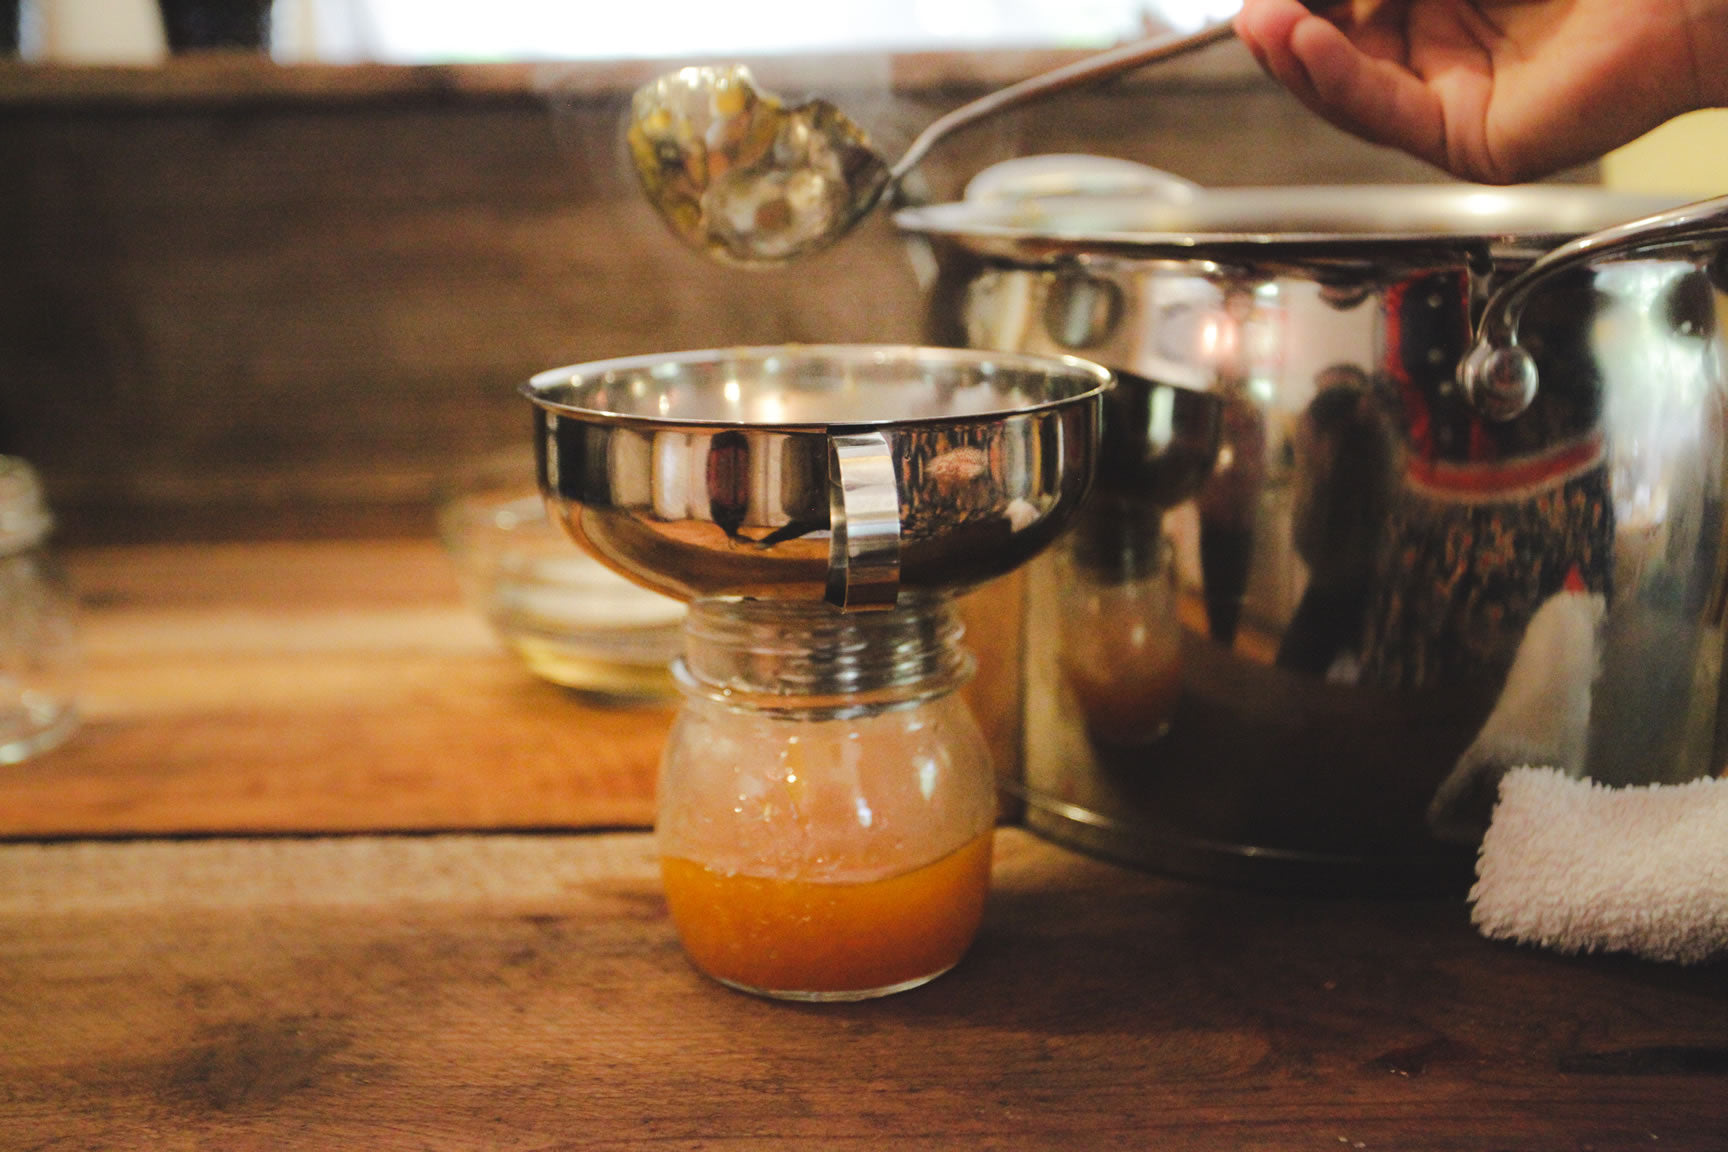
753	180
846	473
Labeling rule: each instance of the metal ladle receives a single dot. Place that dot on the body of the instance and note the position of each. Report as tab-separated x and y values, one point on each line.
749	180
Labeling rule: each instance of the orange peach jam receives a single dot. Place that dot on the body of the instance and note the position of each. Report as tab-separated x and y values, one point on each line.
819	937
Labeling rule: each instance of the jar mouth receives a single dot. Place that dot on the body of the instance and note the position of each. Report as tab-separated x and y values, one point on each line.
838	706
806	657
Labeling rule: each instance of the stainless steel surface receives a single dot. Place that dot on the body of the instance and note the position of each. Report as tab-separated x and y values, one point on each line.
748	179
742	176
1387	596
1497	373
1307	226
864	515
1074	173
764	472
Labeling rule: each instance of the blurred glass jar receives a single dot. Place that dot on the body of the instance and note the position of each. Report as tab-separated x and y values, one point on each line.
826	802
570	619
1121	636
40	655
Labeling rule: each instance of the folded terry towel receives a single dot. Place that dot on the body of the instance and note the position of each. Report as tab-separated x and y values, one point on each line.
1579	867
1542	716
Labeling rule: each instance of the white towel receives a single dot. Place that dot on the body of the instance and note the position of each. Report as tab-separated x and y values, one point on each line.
1575	866
1542	716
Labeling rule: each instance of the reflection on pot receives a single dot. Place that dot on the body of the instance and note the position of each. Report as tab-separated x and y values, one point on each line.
1387	596
1122	659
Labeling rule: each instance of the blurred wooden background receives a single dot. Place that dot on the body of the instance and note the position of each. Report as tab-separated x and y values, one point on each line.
241	301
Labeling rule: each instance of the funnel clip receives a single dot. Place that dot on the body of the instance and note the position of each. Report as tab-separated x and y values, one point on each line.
864	511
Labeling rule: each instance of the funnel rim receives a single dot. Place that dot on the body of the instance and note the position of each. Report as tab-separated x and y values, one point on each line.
537	387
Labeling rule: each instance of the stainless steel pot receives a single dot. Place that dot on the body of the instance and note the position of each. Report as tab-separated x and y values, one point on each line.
1400	567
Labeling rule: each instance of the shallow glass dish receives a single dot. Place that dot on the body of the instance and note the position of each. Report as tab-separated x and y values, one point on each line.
569	618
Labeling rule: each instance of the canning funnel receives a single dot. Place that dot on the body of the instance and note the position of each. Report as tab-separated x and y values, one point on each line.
844	473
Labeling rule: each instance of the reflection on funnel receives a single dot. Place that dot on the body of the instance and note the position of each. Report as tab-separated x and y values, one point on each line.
841	472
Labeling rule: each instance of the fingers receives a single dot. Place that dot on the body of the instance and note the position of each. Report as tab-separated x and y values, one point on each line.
1376	98
1372	96
1265	27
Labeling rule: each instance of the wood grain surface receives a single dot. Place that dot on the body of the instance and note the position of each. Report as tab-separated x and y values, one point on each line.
344	686
317	687
455	992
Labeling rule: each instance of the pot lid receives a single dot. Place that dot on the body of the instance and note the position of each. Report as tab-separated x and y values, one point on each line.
1351	221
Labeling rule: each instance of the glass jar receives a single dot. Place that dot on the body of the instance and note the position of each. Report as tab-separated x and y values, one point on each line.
826	801
1121	636
39	649
569	618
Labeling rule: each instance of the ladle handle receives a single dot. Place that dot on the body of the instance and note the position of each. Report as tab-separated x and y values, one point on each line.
1090	70
864	518
1498	376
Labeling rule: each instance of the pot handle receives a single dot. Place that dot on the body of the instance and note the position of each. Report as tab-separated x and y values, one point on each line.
1497	375
864	519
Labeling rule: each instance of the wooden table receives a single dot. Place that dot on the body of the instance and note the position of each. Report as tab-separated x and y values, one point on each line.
317	687
509	989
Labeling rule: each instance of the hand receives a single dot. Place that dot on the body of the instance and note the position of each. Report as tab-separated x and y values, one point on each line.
1496	91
